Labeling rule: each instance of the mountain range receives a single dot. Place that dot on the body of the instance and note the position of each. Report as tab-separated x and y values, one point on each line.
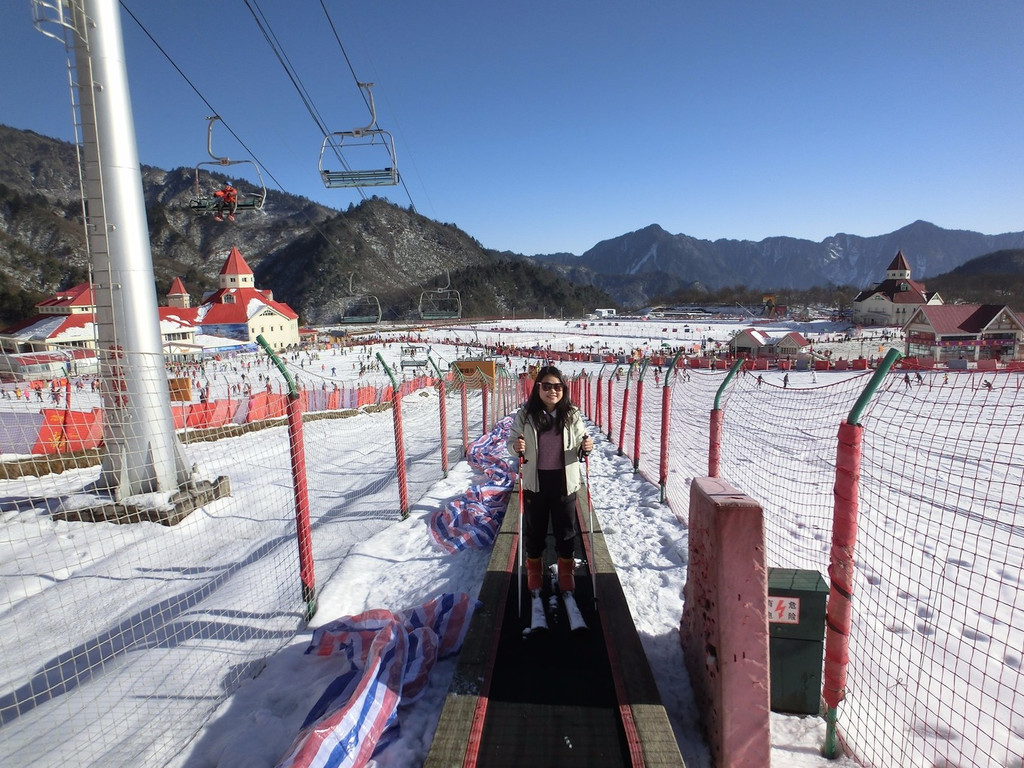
317	258
651	262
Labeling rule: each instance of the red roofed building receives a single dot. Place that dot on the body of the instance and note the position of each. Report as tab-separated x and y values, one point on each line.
177	296
67	315
753	342
238	310
892	301
969	332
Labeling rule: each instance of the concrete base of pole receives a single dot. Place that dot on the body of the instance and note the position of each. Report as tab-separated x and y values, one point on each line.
180	505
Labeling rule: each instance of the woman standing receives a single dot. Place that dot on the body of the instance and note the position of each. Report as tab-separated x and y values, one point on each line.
549	435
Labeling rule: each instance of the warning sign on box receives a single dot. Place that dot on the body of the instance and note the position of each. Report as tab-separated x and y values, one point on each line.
783	610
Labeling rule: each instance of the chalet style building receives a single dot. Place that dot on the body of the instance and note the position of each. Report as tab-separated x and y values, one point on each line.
950	333
752	342
231	317
894	300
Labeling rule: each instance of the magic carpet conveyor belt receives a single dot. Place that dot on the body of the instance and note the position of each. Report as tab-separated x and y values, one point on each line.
555	697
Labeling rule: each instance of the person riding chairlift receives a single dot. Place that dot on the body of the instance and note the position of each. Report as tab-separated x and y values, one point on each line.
227	198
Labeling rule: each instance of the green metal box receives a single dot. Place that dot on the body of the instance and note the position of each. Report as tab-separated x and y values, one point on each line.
796	639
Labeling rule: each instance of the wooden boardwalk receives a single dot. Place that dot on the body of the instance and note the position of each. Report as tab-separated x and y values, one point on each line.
557	697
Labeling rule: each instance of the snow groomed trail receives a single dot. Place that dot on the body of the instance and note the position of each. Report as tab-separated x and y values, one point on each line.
554	697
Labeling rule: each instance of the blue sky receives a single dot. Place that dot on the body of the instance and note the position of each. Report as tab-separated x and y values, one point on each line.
549	126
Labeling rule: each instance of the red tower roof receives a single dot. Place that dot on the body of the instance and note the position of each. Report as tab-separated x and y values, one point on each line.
235	264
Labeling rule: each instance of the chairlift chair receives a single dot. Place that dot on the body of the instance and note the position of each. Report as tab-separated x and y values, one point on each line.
361	309
369	136
203	203
441	303
365	310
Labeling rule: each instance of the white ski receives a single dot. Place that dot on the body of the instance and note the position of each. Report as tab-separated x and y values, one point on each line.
572	612
538	619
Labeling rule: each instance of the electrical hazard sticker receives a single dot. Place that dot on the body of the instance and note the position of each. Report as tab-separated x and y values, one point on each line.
783	610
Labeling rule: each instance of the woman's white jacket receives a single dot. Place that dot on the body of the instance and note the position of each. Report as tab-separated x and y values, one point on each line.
572	439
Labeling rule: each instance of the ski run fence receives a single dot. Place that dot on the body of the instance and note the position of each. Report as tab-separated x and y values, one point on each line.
935	647
126	636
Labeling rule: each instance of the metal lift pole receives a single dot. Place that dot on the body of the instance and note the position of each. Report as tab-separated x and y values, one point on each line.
143	454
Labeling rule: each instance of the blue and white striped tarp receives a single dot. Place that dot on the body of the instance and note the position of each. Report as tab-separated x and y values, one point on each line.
472	521
389	657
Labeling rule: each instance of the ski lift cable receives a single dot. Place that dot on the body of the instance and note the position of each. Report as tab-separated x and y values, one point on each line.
344	53
230	130
272	40
367	96
213	110
323	235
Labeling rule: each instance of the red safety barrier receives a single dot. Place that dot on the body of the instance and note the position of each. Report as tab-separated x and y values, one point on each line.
63	431
180	415
257	407
83	430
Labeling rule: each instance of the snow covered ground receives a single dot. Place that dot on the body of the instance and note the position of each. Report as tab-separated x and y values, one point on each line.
398	567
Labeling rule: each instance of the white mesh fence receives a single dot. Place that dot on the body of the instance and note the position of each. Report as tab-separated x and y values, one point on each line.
101	665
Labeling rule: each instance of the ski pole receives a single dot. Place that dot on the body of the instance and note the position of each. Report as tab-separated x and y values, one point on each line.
519	531
590	506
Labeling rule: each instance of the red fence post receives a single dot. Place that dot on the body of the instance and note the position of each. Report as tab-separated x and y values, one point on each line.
303	534
666	402
839	609
307	574
485	395
465	419
715	442
597	408
639	411
396	412
625	407
444	426
443	410
610	380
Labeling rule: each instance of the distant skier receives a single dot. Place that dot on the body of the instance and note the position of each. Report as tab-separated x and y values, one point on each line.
550	435
785	381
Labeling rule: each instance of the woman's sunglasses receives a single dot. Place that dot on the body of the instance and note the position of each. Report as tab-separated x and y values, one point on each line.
551	386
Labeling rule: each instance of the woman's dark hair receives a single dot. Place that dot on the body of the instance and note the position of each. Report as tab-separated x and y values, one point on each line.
537	411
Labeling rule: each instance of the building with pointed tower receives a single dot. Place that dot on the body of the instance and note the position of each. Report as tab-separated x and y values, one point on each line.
894	300
177	296
238	310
